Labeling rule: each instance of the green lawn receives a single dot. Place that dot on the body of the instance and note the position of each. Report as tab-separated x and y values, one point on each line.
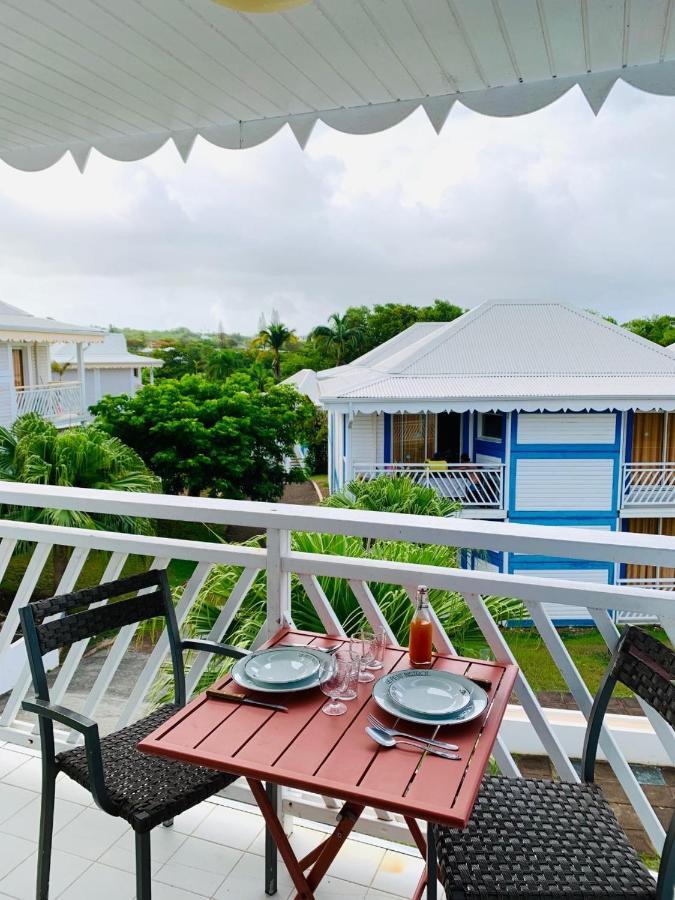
585	646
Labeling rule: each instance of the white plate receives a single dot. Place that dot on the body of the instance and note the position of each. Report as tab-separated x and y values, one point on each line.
477	706
428	693
283	665
238	673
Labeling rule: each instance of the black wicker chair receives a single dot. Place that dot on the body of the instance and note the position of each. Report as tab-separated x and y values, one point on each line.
548	839
144	790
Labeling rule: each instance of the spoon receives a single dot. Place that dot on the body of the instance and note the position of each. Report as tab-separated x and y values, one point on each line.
386	740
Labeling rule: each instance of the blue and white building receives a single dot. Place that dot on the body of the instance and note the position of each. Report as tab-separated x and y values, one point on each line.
529	412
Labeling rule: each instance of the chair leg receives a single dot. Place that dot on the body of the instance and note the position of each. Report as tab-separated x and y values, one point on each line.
46	831
143	879
168	823
432	872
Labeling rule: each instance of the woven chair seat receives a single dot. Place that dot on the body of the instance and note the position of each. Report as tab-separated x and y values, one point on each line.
146	790
543	839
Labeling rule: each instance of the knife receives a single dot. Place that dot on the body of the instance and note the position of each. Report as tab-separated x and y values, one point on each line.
244	701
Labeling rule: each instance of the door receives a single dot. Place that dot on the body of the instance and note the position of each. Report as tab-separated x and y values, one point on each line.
19	372
413	437
634	571
648	437
449	435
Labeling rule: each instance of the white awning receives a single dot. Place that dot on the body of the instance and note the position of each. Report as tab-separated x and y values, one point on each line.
126	77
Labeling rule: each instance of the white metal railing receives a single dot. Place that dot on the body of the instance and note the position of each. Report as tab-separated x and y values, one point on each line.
281	563
648	484
52	401
473	485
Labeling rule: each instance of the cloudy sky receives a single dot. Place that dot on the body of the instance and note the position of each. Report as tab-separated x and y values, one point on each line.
556	204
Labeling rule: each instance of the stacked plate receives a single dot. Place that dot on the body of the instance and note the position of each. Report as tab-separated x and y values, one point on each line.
429	697
280	669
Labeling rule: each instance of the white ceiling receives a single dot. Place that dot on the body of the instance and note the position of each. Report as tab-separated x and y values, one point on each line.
124	76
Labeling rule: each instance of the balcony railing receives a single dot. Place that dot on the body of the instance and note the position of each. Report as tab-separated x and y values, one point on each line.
559	736
472	485
648	484
54	401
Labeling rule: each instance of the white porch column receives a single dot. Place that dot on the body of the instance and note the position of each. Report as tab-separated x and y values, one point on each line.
80	378
151	376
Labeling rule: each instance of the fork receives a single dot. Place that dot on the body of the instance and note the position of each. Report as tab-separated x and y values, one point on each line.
393	732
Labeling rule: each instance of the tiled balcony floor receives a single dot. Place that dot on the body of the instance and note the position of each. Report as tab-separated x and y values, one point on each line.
212	851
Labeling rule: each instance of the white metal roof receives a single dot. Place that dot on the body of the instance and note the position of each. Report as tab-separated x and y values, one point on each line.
508	355
18	325
111	353
127	76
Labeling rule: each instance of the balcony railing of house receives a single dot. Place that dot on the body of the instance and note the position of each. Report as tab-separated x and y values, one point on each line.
554	731
472	485
55	400
648	484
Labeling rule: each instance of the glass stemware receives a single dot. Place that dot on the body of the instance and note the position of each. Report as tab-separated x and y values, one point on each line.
350	692
334	680
360	649
377	648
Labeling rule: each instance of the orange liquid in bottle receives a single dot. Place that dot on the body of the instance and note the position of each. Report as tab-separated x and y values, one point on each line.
420	643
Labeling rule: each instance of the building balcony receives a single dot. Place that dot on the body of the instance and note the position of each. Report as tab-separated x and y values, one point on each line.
648	489
59	402
479	488
221	840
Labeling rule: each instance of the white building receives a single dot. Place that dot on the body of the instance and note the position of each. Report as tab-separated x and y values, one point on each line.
109	367
26	380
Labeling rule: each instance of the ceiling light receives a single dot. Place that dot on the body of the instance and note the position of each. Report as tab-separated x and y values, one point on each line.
261	6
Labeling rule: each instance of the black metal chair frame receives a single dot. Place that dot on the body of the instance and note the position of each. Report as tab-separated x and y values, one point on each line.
60	621
650	674
647	667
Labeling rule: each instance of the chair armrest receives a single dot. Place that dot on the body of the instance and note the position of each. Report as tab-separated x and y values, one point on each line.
214	647
62	715
92	744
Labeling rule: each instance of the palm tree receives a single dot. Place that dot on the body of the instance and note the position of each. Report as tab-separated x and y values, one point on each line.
35	452
60	369
340	336
274	337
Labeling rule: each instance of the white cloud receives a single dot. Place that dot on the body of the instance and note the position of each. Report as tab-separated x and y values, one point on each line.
556	204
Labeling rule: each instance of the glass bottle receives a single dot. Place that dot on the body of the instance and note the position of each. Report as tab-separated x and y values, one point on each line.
420	646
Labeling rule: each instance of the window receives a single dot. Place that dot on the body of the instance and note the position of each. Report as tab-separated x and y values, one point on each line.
136	371
490	426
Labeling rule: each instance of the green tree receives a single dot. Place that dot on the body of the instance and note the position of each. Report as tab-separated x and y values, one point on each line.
33	451
274	337
225	439
222	363
340	336
384	321
660	329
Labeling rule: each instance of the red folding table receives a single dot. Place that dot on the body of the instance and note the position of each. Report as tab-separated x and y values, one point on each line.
333	756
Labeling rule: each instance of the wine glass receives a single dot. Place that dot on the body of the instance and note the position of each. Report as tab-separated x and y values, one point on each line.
334	680
350	692
360	650
378	644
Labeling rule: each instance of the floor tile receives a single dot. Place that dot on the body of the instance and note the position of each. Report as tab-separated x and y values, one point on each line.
337	889
28	775
161	891
26	822
13	850
398	873
9	760
67	789
12	799
357	862
229	826
189	878
90	834
189	820
206	855
102	883
20	882
246	882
